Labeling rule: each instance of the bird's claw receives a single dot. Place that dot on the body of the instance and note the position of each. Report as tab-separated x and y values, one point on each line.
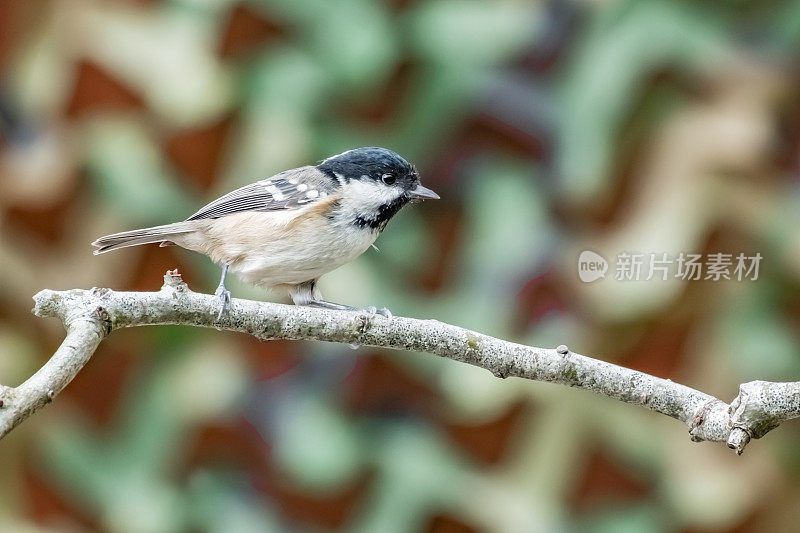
225	299
372	311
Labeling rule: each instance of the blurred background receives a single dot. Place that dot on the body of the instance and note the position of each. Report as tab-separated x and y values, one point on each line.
547	127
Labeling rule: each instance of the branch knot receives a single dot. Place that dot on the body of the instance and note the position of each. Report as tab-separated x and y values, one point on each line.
174	281
752	409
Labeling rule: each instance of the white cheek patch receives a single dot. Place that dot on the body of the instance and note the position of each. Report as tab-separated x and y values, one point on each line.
368	195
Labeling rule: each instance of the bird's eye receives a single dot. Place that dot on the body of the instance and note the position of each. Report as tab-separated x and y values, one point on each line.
388	179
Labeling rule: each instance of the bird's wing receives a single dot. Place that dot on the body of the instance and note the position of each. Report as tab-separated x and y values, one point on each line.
291	189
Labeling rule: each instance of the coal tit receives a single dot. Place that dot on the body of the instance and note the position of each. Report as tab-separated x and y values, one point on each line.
288	230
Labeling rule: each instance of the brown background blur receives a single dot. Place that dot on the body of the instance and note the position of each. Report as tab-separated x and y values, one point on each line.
547	128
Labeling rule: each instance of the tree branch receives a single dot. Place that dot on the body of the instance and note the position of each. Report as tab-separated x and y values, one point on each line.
90	315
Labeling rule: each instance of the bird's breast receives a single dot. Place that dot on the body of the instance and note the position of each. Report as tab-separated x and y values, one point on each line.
281	247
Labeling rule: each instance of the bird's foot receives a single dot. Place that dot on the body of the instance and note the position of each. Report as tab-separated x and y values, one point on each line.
372	310
225	300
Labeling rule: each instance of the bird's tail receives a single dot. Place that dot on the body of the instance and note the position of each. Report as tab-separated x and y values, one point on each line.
141	236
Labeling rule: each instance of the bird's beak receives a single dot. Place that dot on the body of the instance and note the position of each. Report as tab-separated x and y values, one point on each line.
421	193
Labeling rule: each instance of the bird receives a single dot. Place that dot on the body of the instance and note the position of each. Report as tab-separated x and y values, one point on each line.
286	231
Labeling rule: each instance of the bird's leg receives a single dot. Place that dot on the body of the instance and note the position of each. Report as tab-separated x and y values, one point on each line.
308	294
223	293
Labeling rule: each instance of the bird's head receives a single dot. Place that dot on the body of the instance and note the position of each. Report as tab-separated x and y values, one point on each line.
376	184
